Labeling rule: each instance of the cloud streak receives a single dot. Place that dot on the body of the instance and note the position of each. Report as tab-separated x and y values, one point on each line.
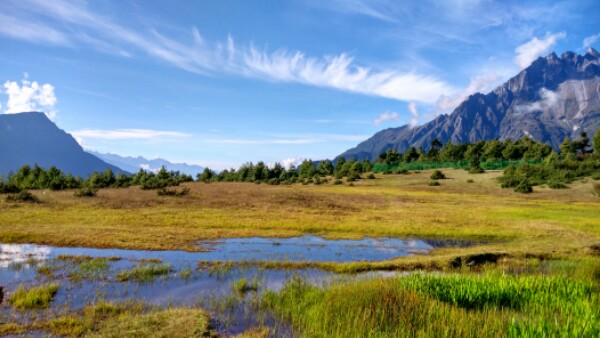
291	139
339	72
127	134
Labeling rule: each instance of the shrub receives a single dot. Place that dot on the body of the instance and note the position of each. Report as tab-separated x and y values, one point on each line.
470	181
402	171
434	183
173	192
596	187
9	188
475	166
386	172
371	176
524	187
476	170
556	185
338	182
23	196
437	175
156	183
86	192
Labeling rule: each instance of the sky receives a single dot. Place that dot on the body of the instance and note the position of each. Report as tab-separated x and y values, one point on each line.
221	83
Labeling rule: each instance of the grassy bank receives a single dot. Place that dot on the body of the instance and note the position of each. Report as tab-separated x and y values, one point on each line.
466	305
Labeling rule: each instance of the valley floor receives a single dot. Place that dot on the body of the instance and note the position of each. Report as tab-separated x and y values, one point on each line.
533	254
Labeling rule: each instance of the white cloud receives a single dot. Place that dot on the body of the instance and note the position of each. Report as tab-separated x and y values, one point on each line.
387	116
338	72
590	40
482	83
29	96
548	100
532	49
414	113
124	134
288	162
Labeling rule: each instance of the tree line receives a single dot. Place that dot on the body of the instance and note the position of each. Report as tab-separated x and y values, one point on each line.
575	160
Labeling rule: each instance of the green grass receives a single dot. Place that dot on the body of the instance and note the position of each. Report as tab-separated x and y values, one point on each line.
90	269
471	305
144	272
185	274
32	298
242	286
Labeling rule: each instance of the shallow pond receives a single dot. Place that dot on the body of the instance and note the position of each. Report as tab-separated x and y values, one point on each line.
87	275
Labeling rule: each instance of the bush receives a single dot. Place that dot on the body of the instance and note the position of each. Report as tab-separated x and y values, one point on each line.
9	188
470	181
23	196
402	171
434	183
556	185
476	170
338	182
371	176
86	192
524	187
438	175
386	172
596	187
173	192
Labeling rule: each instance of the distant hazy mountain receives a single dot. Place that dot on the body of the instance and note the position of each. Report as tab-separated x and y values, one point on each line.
31	138
549	100
134	164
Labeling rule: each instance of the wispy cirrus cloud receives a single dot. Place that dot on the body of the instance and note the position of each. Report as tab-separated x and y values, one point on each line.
31	31
127	134
290	139
197	55
387	116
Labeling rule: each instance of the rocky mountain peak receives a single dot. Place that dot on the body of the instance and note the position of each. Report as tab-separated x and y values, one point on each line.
553	98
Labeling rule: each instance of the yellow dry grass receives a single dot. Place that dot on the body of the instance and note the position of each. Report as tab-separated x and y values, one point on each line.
547	221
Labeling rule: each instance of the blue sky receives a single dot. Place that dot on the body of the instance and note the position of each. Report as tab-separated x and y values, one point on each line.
220	83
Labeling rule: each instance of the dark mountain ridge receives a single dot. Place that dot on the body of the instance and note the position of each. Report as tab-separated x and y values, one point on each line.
555	97
31	138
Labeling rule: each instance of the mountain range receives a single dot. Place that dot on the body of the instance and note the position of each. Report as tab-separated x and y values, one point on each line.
31	138
555	97
134	164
